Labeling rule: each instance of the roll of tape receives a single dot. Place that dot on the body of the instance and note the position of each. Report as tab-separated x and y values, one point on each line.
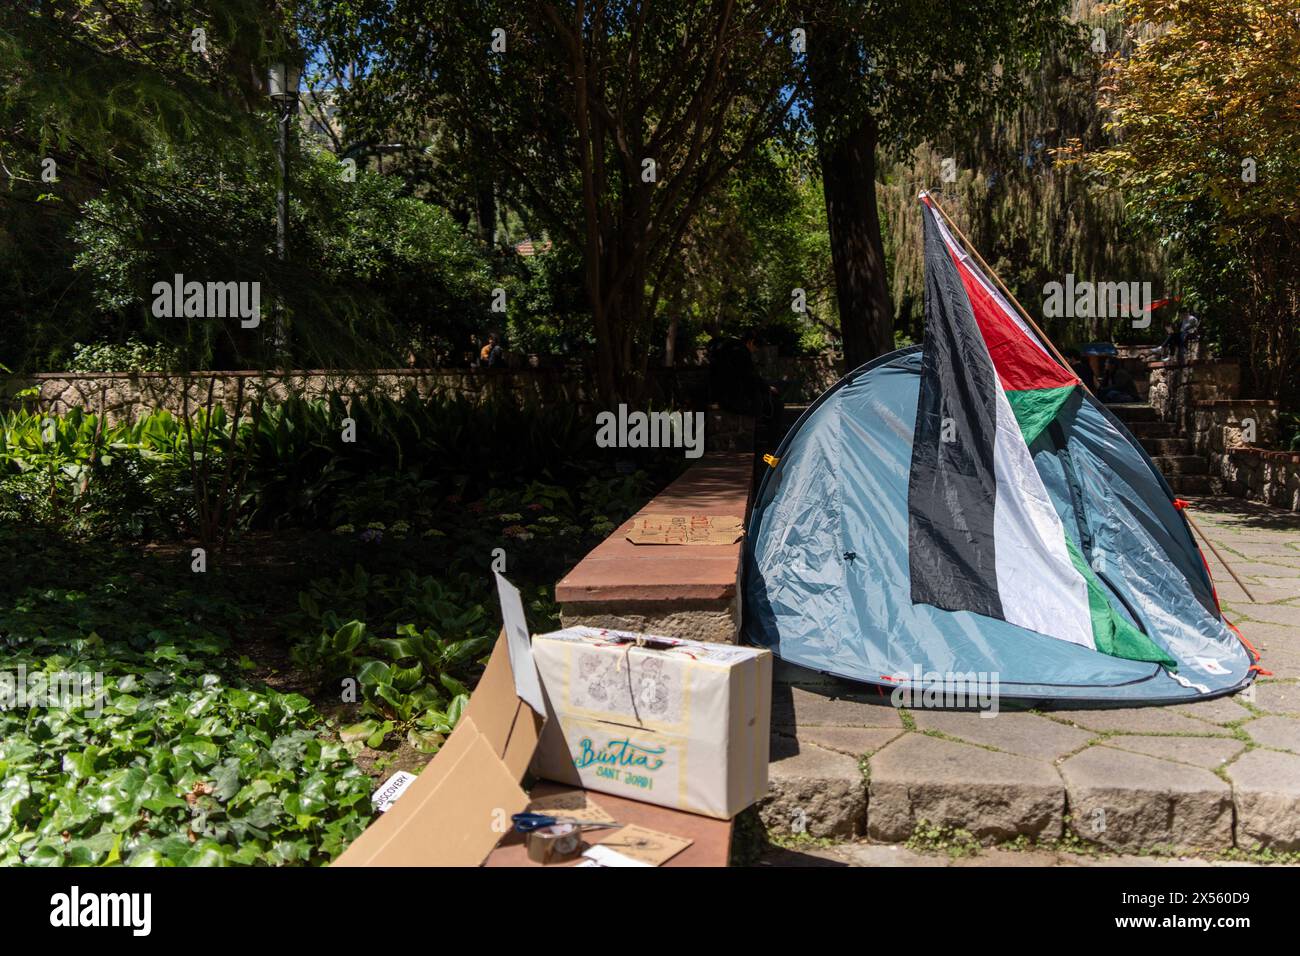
561	841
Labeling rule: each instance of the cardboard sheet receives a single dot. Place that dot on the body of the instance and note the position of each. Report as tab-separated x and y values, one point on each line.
460	805
571	805
644	845
686	529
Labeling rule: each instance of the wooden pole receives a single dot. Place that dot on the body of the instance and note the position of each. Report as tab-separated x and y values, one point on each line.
970	247
1241	584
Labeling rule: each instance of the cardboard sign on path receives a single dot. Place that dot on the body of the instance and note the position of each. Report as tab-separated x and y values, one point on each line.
686	529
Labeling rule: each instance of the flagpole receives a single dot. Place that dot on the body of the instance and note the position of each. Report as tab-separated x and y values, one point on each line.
970	247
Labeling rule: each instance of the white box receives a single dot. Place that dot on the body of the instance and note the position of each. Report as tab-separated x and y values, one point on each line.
683	724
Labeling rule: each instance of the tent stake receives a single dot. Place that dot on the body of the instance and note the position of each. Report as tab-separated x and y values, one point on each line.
970	247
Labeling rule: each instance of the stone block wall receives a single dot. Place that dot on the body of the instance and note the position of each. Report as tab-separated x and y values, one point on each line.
1271	477
129	395
1175	388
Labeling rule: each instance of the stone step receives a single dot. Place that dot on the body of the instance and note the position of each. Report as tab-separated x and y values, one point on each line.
1181	464
1166	447
1143	430
845	765
1134	412
1190	484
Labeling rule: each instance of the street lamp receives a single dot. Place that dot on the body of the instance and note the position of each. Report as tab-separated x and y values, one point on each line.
282	79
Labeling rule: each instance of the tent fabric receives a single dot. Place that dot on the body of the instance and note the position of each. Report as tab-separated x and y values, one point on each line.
827	583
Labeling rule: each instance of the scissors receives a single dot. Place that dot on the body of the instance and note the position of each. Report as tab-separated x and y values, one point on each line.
528	822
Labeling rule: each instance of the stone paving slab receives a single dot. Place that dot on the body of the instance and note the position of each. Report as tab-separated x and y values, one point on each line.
1275	697
1209	775
1028	735
1207	752
813	791
799	707
1277	733
1282	615
995	796
1221	710
1140	720
1129	801
1266	791
850	741
1278	645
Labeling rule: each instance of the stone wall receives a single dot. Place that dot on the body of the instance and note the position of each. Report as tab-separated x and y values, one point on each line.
1175	388
1272	477
1199	398
131	394
1223	425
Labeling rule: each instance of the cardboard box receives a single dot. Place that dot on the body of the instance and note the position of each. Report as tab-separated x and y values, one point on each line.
682	724
461	804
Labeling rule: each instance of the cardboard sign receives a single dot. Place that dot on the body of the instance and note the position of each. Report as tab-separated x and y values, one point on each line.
572	805
519	644
644	845
599	855
686	529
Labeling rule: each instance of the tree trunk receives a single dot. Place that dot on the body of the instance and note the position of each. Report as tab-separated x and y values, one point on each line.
485	212
847	151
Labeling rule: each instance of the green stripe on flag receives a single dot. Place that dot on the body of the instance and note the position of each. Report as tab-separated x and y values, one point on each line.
1112	634
1036	407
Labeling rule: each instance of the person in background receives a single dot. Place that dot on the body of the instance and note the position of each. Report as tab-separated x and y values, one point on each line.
736	385
1188	333
492	355
1081	368
1116	384
1171	347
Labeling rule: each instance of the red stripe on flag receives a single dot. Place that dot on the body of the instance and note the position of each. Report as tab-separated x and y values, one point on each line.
1021	365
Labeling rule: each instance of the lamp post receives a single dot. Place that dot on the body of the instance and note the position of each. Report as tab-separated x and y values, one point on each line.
283	77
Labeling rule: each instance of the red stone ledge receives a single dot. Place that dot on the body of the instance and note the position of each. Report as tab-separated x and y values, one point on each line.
1191	363
1225	402
618	571
1250	451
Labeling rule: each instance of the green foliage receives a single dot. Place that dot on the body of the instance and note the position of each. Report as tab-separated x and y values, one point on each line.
413	678
132	355
187	764
93	92
1205	149
412	461
930	837
378	272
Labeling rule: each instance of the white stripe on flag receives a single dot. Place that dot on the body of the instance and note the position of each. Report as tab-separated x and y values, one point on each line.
1038	585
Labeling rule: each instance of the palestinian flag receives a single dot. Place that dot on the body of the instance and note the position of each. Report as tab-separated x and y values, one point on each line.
983	535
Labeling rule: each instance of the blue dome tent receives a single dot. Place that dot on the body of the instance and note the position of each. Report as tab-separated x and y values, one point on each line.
968	508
